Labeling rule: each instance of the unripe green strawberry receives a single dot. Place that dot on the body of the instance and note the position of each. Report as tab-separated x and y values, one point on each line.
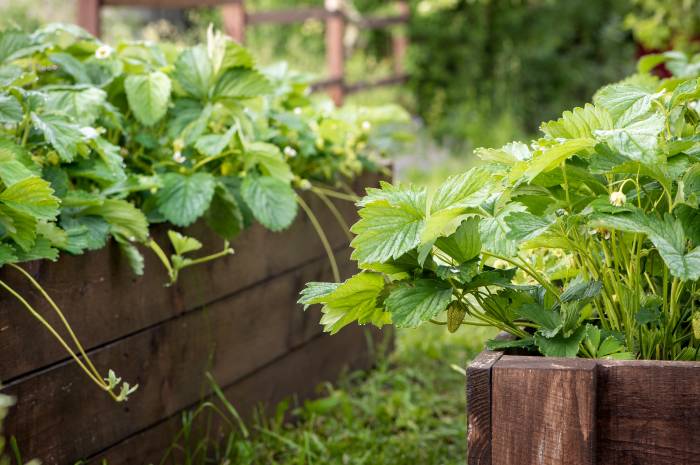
455	315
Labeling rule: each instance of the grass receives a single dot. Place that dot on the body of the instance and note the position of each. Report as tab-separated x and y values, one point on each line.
410	409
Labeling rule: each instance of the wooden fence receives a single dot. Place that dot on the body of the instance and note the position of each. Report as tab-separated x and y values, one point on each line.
236	318
237	19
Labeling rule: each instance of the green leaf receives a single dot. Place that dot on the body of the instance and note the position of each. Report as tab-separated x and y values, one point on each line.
12	170
581	123
524	226
10	109
242	83
65	137
84	232
183	244
494	230
212	145
19	226
412	304
193	70
148	96
465	190
133	257
71	66
637	141
184	198
40	250
33	196
502	344
355	300
224	216
83	104
560	346
7	254
269	159
551	157
464	244
550	321
386	231
272	201
316	293
618	98
126	222
666	234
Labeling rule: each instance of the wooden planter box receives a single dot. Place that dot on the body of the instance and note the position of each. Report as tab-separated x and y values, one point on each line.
558	411
236	317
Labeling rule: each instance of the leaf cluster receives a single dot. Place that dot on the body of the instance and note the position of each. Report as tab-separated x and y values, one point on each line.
586	241
99	142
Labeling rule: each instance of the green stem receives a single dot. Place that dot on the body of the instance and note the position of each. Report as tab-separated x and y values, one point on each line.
96	379
60	314
336	213
322	237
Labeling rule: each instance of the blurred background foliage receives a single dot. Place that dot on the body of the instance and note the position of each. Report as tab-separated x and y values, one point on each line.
482	71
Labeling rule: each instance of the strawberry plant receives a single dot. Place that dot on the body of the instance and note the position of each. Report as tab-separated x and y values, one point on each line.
98	142
584	242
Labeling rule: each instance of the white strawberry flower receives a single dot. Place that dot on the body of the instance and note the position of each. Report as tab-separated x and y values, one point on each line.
178	157
290	152
366	125
618	199
103	52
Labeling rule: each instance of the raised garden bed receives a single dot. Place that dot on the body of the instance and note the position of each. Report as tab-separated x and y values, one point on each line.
236	317
527	410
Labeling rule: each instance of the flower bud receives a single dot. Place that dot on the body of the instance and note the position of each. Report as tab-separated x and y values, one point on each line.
618	199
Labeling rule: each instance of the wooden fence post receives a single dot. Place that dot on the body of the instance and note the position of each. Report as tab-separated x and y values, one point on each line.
400	40
89	16
234	17
335	50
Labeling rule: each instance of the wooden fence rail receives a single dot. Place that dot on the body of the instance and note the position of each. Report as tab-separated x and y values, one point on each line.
237	19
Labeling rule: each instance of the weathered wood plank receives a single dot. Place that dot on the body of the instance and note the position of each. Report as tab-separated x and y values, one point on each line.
104	301
543	411
297	374
61	416
479	407
648	413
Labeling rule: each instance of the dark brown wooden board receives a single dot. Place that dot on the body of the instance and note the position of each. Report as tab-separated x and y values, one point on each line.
479	407
648	413
574	411
296	376
104	301
543	411
61	416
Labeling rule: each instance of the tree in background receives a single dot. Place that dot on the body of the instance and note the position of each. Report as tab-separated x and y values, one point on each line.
482	69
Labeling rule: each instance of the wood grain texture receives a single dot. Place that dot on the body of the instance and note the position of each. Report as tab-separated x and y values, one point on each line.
62	417
302	371
104	301
648	413
543	411
479	407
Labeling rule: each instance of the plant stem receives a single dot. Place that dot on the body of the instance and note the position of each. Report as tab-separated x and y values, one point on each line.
322	237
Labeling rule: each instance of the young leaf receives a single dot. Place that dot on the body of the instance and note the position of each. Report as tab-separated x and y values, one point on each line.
316	293
183	244
148	96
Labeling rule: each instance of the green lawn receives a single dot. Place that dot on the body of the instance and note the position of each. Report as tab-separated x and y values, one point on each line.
409	410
